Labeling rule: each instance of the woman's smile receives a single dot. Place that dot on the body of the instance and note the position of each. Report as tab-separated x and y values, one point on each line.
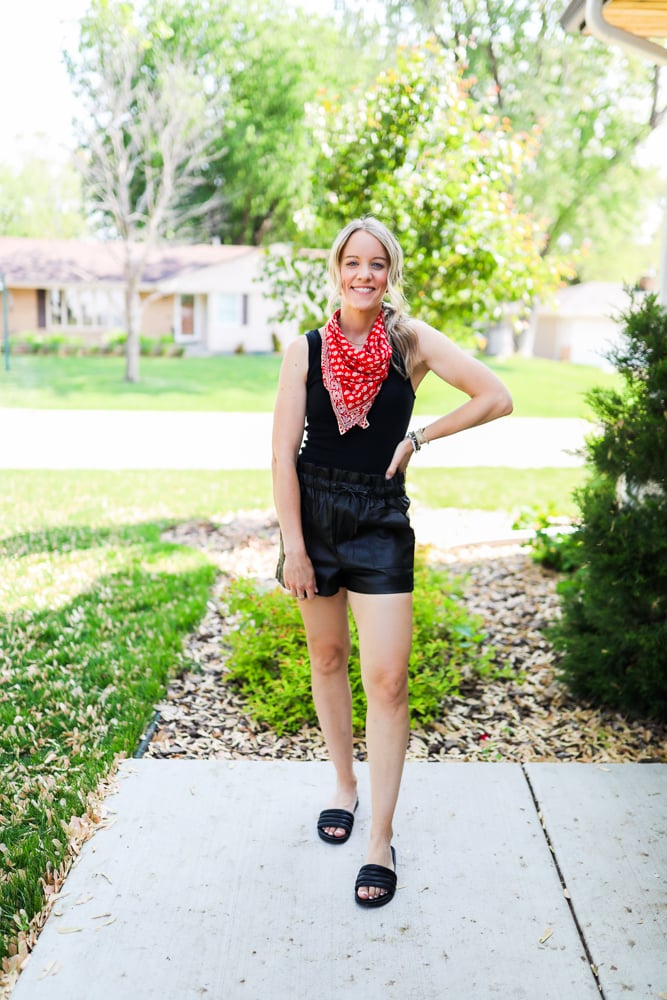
364	271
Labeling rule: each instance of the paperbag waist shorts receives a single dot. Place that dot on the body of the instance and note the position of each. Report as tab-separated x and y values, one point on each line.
356	530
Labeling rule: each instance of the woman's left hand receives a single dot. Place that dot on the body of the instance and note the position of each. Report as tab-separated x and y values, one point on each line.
401	458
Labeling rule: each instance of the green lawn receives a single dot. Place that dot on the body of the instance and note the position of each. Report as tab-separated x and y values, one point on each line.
511	490
95	608
247	383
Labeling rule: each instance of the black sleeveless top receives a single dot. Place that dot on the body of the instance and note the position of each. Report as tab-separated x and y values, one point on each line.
358	450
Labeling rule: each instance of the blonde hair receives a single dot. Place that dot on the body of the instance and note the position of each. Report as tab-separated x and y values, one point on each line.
400	333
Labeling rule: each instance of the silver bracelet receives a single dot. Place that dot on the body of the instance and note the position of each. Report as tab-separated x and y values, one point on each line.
412	437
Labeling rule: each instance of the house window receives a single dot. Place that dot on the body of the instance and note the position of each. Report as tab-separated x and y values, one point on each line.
231	309
85	307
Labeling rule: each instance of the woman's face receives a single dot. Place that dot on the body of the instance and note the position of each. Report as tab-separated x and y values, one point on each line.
364	269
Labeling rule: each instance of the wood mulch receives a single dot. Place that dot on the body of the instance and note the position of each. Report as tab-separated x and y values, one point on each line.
527	717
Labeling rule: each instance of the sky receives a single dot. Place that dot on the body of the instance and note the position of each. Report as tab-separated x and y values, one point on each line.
35	96
34	89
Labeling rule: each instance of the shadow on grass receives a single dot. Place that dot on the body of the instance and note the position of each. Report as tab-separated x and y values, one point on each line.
78	685
72	538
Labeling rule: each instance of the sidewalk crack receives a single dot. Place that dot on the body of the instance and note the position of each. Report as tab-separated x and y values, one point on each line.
566	892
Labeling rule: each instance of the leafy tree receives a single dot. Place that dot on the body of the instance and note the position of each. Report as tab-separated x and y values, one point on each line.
613	629
297	276
265	63
415	150
590	106
41	198
144	138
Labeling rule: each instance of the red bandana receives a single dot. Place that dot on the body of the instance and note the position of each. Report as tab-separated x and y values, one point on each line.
353	378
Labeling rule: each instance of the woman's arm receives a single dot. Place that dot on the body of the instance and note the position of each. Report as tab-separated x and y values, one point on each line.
288	423
488	396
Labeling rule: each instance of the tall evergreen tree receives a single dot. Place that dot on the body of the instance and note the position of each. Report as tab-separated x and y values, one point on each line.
613	630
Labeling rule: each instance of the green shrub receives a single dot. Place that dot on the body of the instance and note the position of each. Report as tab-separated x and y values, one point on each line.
115	343
269	664
557	550
613	629
47	343
54	343
551	546
30	343
163	345
72	344
147	346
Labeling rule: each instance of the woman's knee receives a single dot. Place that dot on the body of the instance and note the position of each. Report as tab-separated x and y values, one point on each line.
329	658
387	687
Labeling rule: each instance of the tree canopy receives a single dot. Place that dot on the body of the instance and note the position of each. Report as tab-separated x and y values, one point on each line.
258	64
40	197
415	150
589	106
489	139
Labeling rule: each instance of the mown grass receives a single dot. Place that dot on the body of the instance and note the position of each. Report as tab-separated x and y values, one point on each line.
247	383
511	490
95	608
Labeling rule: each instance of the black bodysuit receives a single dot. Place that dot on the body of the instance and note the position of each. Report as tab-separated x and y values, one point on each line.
367	450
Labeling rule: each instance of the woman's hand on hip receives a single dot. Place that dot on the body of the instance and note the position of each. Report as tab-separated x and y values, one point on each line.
401	458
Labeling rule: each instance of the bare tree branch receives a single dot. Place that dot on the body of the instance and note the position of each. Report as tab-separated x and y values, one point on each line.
144	146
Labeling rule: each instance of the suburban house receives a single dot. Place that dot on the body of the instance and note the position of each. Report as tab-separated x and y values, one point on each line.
580	324
210	298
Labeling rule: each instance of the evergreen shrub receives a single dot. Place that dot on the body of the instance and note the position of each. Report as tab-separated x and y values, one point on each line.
613	628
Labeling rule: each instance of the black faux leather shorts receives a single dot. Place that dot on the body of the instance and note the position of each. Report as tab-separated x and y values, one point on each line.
356	530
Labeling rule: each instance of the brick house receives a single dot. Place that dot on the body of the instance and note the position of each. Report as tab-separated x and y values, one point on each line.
208	297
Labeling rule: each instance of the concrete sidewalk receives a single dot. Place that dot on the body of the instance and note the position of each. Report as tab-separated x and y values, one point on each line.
123	439
541	882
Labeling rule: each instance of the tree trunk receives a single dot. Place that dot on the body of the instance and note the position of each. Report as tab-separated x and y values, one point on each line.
132	322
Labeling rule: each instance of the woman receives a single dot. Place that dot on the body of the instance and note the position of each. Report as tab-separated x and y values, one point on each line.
342	509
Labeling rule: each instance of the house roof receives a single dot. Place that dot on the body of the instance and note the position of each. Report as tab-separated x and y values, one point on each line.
41	263
594	299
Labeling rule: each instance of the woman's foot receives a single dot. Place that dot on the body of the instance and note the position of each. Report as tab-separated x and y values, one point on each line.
345	799
376	881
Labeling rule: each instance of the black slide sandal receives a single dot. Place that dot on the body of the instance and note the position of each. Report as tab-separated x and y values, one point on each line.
341	818
381	878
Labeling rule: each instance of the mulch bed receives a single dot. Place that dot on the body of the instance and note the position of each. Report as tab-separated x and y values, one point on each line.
529	716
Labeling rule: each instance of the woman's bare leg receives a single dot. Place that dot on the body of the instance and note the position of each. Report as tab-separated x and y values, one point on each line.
328	636
384	623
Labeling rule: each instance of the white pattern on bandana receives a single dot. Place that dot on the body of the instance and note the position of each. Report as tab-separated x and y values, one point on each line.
354	378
